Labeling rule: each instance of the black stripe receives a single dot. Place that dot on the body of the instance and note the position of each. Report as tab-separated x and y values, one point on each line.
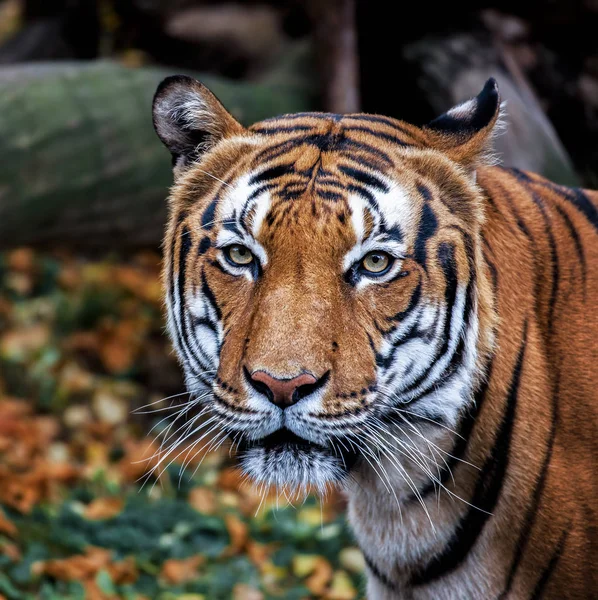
428	225
257	192
207	292
364	177
366	194
388	137
365	162
414	332
578	198
554	260
466	426
231	224
205	322
388	121
543	581
193	361
322	116
470	415
415	298
329	195
446	258
532	511
575	196
393	233
329	182
207	218
272	152
272	173
216	264
281	129
349	145
425	192
487	490
204	245
577	241
383	579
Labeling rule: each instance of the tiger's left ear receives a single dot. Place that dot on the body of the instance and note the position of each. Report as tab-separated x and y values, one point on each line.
466	131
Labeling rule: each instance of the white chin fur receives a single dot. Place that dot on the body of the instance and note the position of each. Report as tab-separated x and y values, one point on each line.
293	468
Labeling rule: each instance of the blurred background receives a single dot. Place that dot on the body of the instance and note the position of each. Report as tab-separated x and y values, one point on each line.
89	386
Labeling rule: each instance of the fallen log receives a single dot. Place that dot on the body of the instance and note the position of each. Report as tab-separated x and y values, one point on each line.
80	164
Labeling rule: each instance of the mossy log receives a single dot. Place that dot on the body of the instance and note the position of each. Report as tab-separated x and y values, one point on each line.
80	164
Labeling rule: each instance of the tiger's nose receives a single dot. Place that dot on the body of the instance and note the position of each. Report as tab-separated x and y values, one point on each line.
283	392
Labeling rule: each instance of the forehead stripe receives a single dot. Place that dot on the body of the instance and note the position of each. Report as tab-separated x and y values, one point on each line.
388	121
366	194
282	129
364	177
207	218
427	228
209	294
271	173
380	134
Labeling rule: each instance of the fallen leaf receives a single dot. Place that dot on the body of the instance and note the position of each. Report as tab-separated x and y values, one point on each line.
341	588
318	581
242	591
177	571
352	560
19	344
103	508
21	259
82	567
109	408
238	533
258	553
203	500
7	527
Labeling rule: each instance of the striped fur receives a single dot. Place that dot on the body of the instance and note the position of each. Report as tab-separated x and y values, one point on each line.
456	402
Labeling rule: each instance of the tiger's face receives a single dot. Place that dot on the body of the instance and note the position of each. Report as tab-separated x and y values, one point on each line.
322	279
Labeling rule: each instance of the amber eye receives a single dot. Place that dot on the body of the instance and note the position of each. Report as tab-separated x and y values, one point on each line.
375	262
239	255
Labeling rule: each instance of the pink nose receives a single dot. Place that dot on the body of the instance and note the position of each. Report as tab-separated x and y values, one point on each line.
282	392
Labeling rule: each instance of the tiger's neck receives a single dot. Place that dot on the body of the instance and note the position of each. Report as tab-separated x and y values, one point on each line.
406	508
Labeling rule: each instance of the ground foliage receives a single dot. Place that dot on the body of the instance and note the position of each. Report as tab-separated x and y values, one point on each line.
82	347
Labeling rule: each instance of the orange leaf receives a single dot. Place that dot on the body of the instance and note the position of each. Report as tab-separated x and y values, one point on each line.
123	572
238	533
318	581
177	571
258	553
242	591
84	567
21	259
12	551
7	527
75	568
230	479
103	508
203	500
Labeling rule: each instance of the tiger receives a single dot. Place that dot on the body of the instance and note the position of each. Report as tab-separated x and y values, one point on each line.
364	304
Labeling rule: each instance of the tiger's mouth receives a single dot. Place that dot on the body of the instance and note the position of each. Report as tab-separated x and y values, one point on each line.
279	441
286	460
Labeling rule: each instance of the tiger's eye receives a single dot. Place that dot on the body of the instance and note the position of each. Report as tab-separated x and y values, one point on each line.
375	262
239	255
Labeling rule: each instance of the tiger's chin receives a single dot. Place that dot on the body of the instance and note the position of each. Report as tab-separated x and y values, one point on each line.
288	462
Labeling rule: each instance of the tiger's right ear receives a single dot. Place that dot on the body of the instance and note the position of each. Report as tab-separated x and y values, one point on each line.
190	120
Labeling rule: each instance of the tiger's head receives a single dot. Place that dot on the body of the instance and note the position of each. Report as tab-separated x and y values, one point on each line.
323	274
